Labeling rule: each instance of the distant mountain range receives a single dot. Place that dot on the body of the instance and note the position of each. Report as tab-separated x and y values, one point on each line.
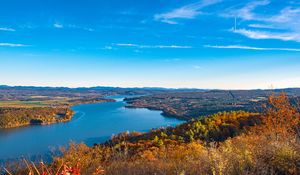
103	88
108	88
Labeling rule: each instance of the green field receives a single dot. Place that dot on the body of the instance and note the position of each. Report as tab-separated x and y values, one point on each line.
34	103
22	104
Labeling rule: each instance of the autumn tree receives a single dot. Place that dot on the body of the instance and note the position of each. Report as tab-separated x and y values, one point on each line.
281	118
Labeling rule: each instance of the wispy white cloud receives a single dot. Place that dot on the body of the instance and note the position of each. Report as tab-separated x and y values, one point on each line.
189	11
246	12
287	14
78	27
258	34
57	25
88	29
7	29
72	26
128	45
172	46
252	48
262	26
12	45
137	51
287	20
197	67
153	46
107	48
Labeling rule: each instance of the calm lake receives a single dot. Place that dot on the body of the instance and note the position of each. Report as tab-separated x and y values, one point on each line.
92	123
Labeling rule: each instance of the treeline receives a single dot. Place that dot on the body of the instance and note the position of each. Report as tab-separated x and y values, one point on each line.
193	104
217	127
16	117
89	100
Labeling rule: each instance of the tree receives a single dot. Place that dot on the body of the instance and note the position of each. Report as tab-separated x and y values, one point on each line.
280	118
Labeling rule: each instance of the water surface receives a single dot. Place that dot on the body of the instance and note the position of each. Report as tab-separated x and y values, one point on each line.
92	123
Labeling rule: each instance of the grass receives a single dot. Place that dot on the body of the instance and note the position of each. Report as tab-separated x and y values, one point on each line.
22	104
35	103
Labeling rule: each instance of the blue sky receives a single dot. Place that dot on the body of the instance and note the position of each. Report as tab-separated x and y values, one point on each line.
226	44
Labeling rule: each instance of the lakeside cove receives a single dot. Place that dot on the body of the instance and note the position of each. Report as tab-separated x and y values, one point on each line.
22	114
91	123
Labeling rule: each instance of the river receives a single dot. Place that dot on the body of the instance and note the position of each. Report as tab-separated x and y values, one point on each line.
92	123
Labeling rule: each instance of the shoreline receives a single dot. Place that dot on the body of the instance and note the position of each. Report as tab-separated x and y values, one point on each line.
91	144
28	124
66	118
164	113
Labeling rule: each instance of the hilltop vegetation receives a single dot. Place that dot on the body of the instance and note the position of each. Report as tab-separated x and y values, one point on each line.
224	143
217	127
187	105
22	106
16	117
21	113
23	93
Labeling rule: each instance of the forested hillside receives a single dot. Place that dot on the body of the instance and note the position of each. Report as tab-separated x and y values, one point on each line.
187	105
16	117
224	143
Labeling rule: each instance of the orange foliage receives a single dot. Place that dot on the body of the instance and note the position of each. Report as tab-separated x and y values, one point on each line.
281	118
270	147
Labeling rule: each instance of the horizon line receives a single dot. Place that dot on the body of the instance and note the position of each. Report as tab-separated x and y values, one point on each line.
145	87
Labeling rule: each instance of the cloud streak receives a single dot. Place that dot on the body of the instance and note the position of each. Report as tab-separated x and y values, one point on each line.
262	26
246	12
285	20
58	26
12	45
258	34
189	11
71	26
7	29
153	46
251	48
197	67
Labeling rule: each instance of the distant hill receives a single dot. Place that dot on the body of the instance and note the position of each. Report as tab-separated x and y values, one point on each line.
103	88
109	88
187	105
